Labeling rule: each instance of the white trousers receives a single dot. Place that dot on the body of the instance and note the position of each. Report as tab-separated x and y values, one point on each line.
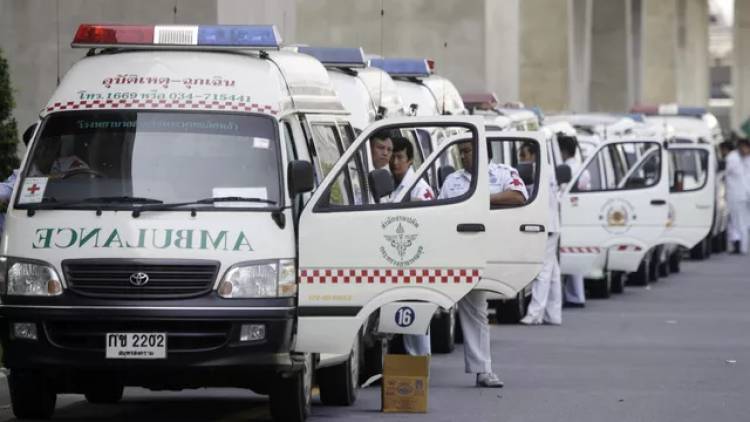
472	310
574	289
546	292
417	344
737	230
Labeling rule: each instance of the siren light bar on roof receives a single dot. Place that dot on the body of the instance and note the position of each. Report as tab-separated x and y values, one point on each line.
335	56
403	67
668	110
204	36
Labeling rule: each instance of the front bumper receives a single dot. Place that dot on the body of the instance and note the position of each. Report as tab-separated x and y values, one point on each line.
203	347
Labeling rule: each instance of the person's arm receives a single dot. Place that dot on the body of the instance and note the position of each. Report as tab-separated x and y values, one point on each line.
508	197
6	188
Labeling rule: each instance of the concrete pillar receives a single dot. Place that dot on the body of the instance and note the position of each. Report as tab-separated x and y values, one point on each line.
659	48
580	54
611	55
502	49
545	54
741	67
693	78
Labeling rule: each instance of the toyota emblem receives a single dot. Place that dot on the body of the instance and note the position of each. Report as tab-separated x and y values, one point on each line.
139	279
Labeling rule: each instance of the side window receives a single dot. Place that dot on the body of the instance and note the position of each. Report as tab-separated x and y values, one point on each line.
402	177
327	152
689	169
647	169
628	165
514	171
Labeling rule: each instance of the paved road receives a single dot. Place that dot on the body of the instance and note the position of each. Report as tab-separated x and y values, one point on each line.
678	350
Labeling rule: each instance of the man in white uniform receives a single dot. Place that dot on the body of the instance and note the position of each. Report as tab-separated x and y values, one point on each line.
737	196
546	292
403	175
574	290
506	188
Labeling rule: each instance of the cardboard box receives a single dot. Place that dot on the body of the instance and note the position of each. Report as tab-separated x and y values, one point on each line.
405	385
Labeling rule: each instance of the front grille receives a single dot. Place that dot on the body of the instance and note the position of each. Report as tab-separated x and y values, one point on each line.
166	280
182	336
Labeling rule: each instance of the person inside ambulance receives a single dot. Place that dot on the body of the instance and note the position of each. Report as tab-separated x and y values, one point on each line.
738	196
574	293
402	169
546	292
506	189
49	162
381	149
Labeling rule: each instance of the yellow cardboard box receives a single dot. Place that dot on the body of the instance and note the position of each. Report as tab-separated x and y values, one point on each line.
405	386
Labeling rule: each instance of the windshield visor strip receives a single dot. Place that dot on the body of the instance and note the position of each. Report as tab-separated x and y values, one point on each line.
162	104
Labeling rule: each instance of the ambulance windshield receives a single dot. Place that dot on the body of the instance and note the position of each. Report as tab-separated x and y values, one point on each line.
126	157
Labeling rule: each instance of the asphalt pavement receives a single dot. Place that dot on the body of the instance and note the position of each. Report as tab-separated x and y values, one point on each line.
677	350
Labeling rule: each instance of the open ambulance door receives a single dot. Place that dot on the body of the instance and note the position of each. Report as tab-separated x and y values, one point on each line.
691	194
621	209
358	255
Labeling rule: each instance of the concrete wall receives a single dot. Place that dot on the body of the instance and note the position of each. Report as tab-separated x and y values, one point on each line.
580	54
282	13
545	54
502	49
35	36
741	69
693	61
611	56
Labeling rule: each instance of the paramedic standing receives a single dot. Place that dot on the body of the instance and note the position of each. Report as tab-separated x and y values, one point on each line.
737	196
546	292
506	188
403	175
574	290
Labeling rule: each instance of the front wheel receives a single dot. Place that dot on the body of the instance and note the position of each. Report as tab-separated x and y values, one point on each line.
31	395
291	397
599	288
511	311
338	384
617	281
674	262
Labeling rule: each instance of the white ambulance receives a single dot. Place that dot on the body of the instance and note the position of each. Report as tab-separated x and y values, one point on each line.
161	233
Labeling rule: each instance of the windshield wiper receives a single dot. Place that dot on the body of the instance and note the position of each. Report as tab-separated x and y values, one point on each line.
53	203
204	201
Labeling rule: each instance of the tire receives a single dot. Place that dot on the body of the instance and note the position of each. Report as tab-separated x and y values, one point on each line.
291	397
674	262
443	331
707	246
617	281
105	394
459	333
372	360
664	268
653	267
599	288
641	276
511	311
31	395
339	384
699	251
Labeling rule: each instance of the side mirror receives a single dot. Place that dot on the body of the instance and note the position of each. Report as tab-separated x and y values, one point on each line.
722	165
28	133
563	174
443	174
381	183
300	177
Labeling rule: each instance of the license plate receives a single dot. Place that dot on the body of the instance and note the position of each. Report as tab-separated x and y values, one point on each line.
136	345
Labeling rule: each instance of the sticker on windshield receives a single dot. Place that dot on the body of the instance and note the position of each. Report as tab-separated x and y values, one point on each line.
254	196
262	143
32	190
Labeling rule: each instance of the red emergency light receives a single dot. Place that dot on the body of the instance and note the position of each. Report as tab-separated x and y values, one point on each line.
431	65
484	100
89	34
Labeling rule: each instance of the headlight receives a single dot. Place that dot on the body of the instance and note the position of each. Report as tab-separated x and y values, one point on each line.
268	279
31	279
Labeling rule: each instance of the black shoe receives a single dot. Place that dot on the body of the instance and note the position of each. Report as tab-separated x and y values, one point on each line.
574	305
736	247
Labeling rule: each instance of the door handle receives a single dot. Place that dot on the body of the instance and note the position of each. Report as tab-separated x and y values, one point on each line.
470	228
532	228
658	202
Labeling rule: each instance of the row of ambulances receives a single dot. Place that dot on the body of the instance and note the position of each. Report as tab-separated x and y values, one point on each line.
198	207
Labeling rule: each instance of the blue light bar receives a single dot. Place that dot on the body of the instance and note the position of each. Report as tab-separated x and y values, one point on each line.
691	111
403	67
239	36
336	57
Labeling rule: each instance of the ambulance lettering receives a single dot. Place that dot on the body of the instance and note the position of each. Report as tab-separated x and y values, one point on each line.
401	235
617	216
189	239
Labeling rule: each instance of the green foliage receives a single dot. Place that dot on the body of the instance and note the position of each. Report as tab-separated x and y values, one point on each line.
8	129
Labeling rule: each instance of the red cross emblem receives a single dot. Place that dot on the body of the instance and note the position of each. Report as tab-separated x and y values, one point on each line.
516	182
33	189
427	195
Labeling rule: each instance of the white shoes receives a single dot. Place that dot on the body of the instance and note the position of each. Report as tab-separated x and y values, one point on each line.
527	320
489	380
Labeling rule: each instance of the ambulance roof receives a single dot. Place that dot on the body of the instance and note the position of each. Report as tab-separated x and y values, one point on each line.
197	80
446	95
414	92
560	127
